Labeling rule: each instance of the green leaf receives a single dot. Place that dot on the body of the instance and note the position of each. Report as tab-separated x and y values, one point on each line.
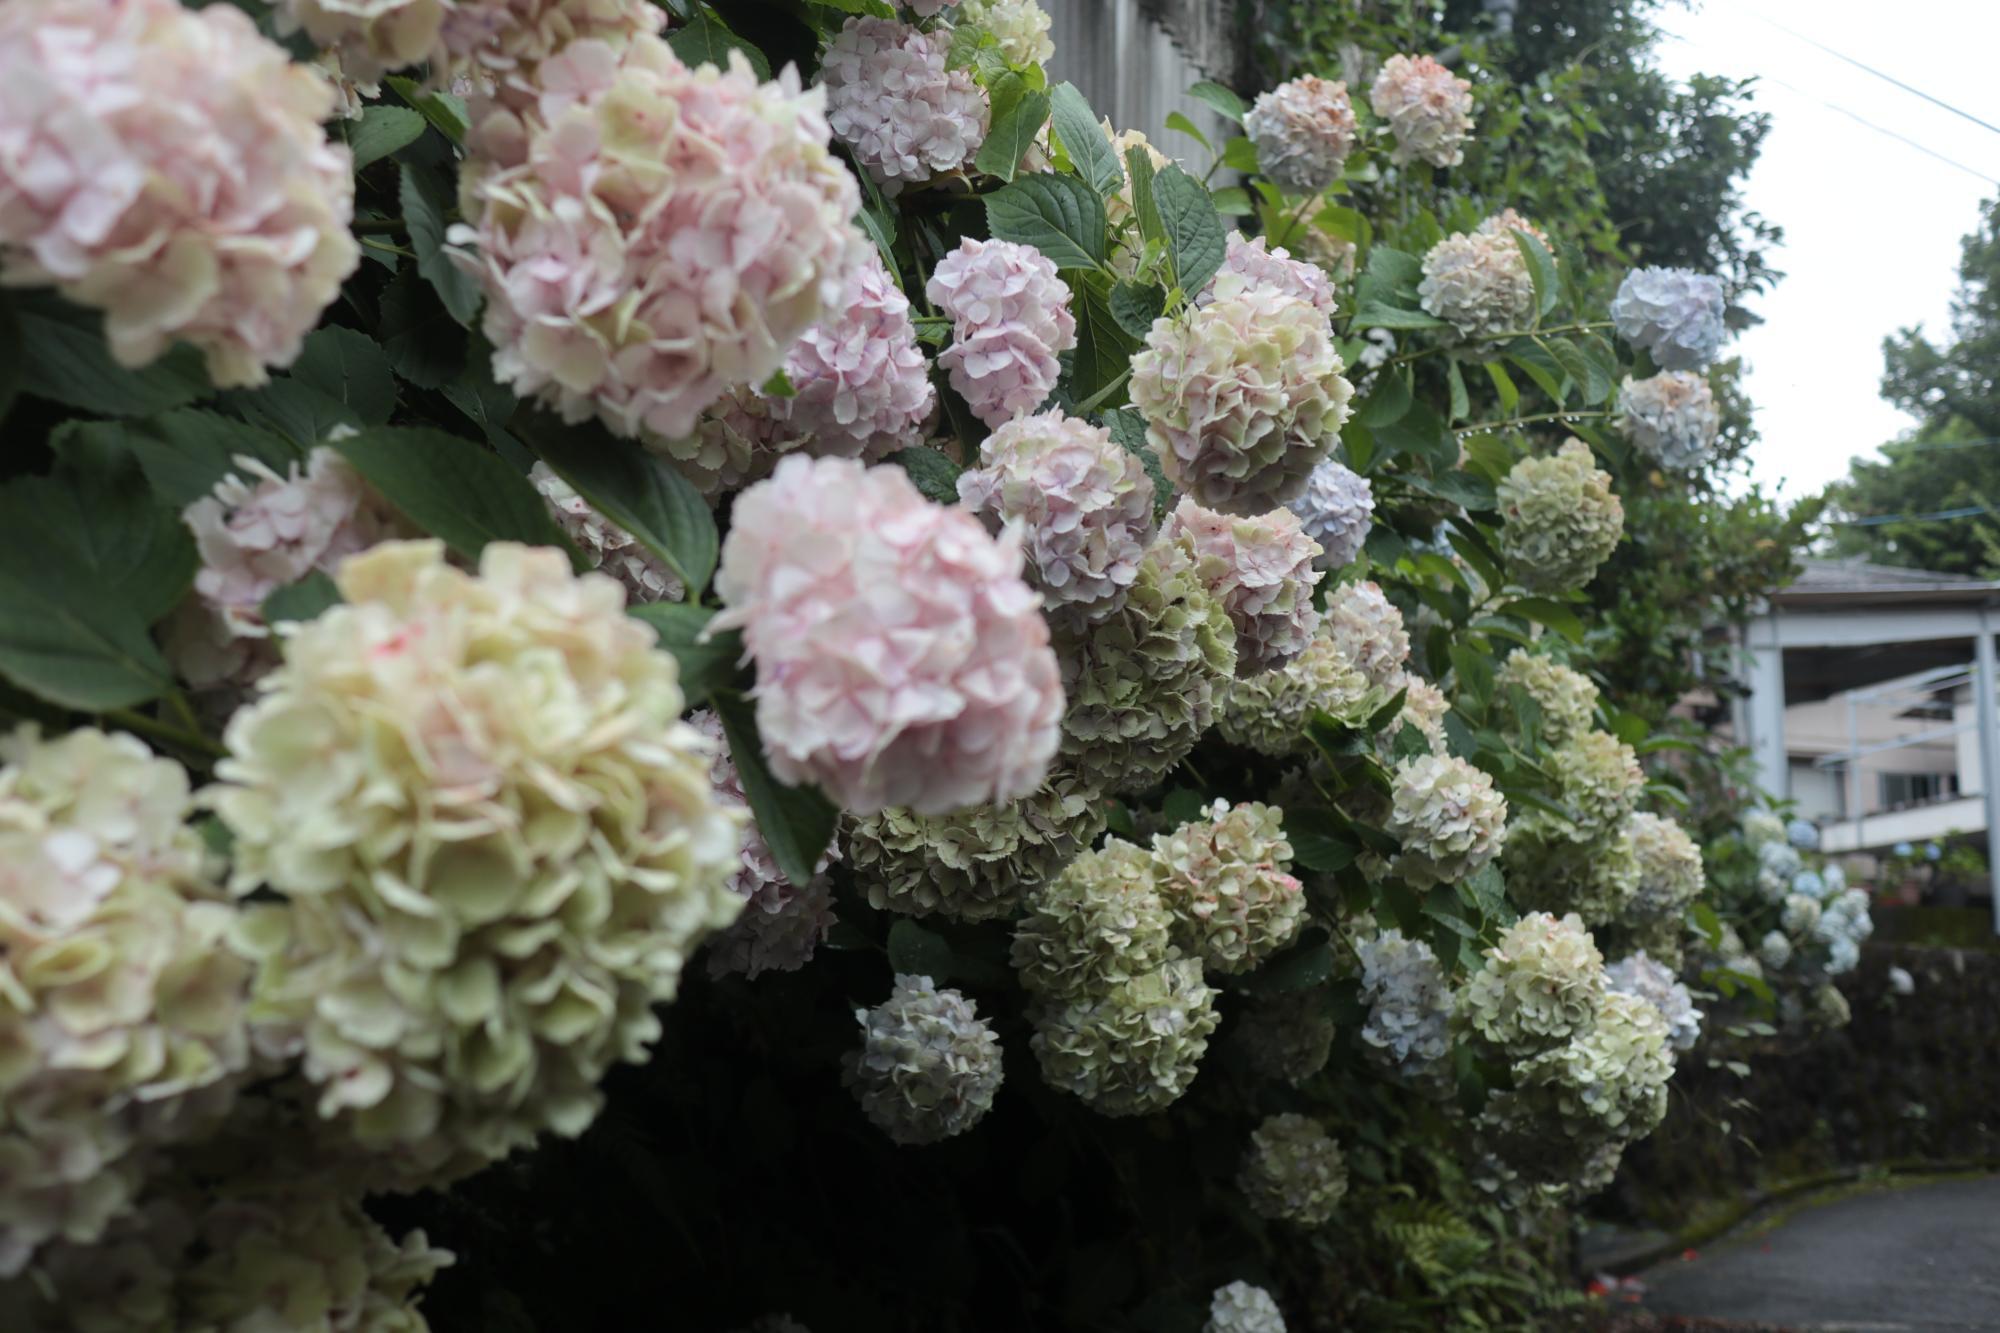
422	341
1317	843
63	358
1307	963
1177	121
1460	488
352	370
1239	154
1145	206
1103	348
933	473
301	601
640	493
1083	140
381	131
1225	103
1503	384
707	664
1194	235
1128	430
881	229
1058	215
451	488
1541	367
1233	201
797	822
1375	315
185	453
440	108
967	40
427	201
1541	271
1545	612
1629	727
294	409
1018	116
708	41
1420	433
1461	401
1389	401
1182	805
1387	713
91	560
1474	669
1390	280
1136	307
917	952
11	343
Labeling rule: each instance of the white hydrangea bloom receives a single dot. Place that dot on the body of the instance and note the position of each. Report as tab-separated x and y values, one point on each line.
1293	1171
1368	630
1540	985
1253	263
1303	130
1242	1308
1429	109
1021	26
1268	713
1479	283
928	1065
1657	985
1410	1004
1760	827
1132	1049
1559	519
1094	927
1672	416
1337	509
1673	313
1567	698
1226	878
1671	876
1450	818
1799	917
1774	951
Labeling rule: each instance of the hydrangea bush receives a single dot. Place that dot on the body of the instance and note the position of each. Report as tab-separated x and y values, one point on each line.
557	552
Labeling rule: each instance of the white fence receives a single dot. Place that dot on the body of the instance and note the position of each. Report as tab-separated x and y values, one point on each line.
1133	72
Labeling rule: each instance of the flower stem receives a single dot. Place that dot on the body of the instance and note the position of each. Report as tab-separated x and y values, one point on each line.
1580	414
165	731
372	226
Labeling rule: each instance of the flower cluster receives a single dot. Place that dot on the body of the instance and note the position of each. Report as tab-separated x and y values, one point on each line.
1478	282
1142	683
1598	780
1566	699
1559	519
1248	264
1134	1047
604	544
1670	869
123	1013
892	98
1368	630
1010	318
1600	1089
256	533
928	1065
1410	1004
1227	880
901	660
1671	416
1450	818
1261	571
425	922
1293	1171
1337	509
580	232
1242	1308
976	864
1242	398
1020	26
1539	987
1657	985
168	167
1673	313
1085	507
1094	927
1303	131
1268	713
1286	1036
782	924
1429	110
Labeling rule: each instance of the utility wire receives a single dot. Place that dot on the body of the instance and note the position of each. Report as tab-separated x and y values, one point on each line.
1870	69
1883	520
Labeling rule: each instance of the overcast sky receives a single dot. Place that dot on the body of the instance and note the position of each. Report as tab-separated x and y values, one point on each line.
1872	225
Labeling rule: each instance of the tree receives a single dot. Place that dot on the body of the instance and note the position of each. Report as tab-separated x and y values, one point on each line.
1950	465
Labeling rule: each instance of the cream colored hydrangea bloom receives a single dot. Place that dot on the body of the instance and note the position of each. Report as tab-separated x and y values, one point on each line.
1133	1049
495	843
1539	987
1293	1171
1227	879
1269	713
1567	698
1095	926
1559	519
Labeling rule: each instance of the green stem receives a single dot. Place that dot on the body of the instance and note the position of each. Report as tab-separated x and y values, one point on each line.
151	726
1292	222
1091	404
385	246
373	226
1580	414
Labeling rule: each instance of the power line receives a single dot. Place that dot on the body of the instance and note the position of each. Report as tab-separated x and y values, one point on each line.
1870	69
1883	520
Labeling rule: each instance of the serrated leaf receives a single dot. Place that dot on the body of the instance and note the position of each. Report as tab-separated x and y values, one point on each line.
1135	307
1390	280
1541	367
451	488
427	201
381	131
442	109
63	358
880	229
1224	102
185	453
1128	431
423	343
1177	121
294	409
917	952
1018	115
933	473
1389	401
301	601
1545	612
640	493
1058	215
707	40
1193	229
1103	348
1460	488
1082	139
707	664
352	370
1419	433
797	822
1317	841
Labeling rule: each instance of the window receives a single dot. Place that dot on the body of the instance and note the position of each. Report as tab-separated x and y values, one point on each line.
1916	788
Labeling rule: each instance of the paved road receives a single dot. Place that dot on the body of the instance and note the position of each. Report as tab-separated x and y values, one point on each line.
1920	1260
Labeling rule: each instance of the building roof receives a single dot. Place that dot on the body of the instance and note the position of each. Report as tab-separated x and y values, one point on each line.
1831	583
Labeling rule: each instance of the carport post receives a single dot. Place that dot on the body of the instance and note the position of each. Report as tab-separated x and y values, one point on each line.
1989	753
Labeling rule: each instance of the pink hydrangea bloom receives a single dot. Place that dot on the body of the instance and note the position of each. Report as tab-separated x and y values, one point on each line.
892	99
1303	131
1368	630
901	660
1261	570
1250	264
1010	317
1429	110
168	167
1242	398
1084	504
480	42
860	389
609	548
781	925
257	533
649	235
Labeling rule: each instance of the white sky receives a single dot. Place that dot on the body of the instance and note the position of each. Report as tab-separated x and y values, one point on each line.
1872	226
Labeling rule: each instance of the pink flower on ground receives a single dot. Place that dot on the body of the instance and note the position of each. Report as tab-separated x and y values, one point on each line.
1261	570
1010	317
169	168
649	235
901	660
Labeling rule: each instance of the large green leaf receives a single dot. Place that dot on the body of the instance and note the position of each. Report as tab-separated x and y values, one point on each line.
1019	112
351	369
1103	349
1224	102
304	600
184	453
632	488
932	473
291	407
708	41
1083	140
707	663
1058	215
381	131
63	358
797	822
1135	307
1193	228
444	110
422	341
452	488
427	201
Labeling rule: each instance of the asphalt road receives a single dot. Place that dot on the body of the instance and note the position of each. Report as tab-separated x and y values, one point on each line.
1925	1258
